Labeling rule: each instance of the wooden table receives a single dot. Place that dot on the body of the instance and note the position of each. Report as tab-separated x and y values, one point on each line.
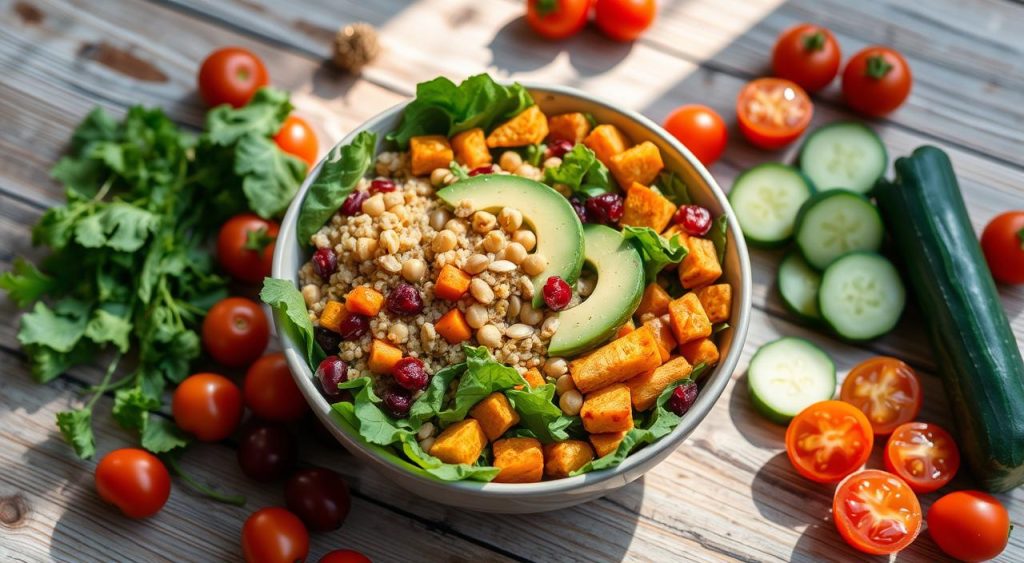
727	493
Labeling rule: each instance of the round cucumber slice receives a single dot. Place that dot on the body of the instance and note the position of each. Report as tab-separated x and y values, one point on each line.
766	199
837	222
861	296
798	286
844	155
788	375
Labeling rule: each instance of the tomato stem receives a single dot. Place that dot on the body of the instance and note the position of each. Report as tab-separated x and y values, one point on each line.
104	384
546	7
1020	236
258	240
877	67
236	500
814	41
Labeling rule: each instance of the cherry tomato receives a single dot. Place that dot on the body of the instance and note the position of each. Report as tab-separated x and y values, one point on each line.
274	535
886	390
876	512
319	497
773	112
557	19
345	556
231	75
701	129
245	247
235	331
270	391
923	455
207	405
624	20
266	450
807	54
1003	245
876	81
969	525
298	139
133	480
828	441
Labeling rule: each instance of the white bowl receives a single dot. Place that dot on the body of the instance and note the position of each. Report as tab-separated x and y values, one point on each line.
547	495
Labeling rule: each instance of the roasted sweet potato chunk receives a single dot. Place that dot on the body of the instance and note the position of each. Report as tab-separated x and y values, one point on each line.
661	326
383	357
625	329
608	442
495	415
534	378
573	127
607	410
562	458
606	141
655	301
527	128
616	361
471	148
716	300
701	265
645	207
639	164
521	460
333	314
688	320
429	152
700	351
461	442
645	388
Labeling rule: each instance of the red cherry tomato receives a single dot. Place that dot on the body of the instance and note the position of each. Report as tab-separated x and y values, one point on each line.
297	138
701	129
876	512
231	76
773	112
624	20
270	391
969	525
807	54
557	19
345	556
245	247
876	81
133	480
1003	245
886	390
235	331
274	535
828	441
207	405
923	455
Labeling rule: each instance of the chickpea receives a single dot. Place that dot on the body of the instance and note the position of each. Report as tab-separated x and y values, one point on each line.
311	294
525	238
494	241
457	226
571	402
515	253
489	336
374	206
510	160
476	264
556	367
484	222
534	264
510	219
413	270
444	241
438	218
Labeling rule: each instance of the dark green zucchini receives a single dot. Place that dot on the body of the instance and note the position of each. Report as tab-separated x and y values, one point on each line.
977	355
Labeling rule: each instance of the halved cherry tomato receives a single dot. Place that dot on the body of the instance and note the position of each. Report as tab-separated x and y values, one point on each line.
624	20
969	525
207	405
274	535
923	455
876	81
245	247
557	19
876	512
807	54
134	480
1003	245
701	129
828	440
773	112
231	76
298	139
886	390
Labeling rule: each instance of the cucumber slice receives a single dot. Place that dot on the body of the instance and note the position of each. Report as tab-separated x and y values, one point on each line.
766	199
844	155
788	375
798	285
834	223
861	296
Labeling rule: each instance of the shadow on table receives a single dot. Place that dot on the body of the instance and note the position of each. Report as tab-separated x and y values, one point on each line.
589	53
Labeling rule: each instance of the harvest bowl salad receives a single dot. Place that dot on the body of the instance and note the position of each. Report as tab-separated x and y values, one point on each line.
503	295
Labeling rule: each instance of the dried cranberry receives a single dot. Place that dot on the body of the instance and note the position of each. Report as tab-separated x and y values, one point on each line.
382	185
559	148
354	326
410	373
682	398
694	219
404	300
325	263
353	204
331	372
606	209
557	293
397	402
327	339
579	207
482	170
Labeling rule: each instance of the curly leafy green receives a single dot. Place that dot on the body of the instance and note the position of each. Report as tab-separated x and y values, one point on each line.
338	176
538	413
483	376
582	172
290	309
656	251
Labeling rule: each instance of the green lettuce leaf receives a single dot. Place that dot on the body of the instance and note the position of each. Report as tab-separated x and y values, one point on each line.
483	376
25	284
431	402
446	471
538	413
375	426
76	427
672	186
719	235
338	176
655	251
290	308
160	435
270	177
262	116
59	328
132	406
582	172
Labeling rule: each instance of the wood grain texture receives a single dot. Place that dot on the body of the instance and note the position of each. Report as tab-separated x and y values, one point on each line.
727	493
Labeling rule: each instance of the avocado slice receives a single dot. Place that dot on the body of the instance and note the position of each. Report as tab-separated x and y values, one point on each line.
620	286
558	228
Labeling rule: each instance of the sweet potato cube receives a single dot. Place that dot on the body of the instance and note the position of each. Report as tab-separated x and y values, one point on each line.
639	164
701	265
572	127
383	357
655	301
452	326
534	378
700	351
461	442
716	300
471	148
607	410
521	460
562	458
606	141
428	153
663	335
527	128
495	415
333	314
451	283
645	207
364	300
688	320
608	442
645	388
616	361
625	329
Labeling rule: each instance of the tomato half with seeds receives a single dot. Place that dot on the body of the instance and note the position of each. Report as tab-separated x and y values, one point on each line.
886	390
876	512
297	138
828	441
773	112
922	454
